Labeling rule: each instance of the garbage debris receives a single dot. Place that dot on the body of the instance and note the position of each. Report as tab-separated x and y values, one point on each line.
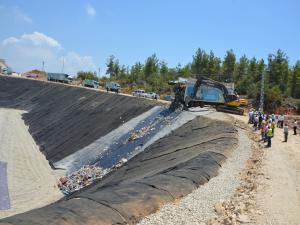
80	178
85	176
145	130
120	163
139	134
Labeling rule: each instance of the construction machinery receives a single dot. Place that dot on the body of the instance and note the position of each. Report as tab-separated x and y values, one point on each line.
90	83
59	77
113	86
204	91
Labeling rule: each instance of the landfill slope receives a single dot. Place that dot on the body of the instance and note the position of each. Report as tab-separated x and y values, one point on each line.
169	169
63	119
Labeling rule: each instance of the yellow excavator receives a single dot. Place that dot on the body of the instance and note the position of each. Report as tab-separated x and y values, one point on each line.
204	91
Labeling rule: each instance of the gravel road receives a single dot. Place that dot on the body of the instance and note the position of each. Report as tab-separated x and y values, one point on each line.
197	207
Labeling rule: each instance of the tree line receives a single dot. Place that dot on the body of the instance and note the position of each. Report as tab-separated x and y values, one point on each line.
281	78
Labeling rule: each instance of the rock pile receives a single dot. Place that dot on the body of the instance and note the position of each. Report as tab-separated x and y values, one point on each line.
241	208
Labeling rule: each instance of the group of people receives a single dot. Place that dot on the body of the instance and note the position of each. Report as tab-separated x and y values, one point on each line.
266	123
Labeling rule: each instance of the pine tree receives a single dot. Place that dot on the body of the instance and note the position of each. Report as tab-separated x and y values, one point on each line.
228	66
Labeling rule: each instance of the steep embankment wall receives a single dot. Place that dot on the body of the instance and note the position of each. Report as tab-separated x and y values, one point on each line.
63	119
170	168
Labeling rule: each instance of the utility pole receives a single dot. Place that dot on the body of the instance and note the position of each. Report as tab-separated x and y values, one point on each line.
63	65
262	92
43	66
99	73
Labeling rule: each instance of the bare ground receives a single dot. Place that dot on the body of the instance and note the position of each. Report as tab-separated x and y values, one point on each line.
276	180
31	181
279	195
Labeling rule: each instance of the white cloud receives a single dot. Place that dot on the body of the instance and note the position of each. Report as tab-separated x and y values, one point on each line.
21	16
90	10
73	60
38	38
35	38
10	40
28	51
9	13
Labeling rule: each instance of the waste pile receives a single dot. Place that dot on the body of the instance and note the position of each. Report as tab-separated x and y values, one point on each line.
140	133
145	130
85	176
120	163
80	178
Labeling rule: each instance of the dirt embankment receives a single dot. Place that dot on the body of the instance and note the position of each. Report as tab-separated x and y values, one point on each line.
169	169
63	119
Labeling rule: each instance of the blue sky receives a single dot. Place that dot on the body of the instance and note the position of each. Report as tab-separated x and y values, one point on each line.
84	33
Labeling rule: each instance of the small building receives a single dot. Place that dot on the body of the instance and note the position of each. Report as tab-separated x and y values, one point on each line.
4	68
35	74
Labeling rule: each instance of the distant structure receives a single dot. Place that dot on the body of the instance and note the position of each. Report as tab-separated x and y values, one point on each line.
59	77
4	68
3	65
35	74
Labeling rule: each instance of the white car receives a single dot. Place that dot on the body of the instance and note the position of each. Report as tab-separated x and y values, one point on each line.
139	93
152	95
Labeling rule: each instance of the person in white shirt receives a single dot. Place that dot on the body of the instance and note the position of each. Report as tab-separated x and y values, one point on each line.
279	121
282	120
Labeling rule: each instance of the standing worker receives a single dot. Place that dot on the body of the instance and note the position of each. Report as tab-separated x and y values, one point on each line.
285	132
295	126
273	126
250	116
256	120
269	136
282	120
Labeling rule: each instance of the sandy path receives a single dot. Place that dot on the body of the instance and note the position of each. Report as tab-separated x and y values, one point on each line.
279	197
31	181
278	193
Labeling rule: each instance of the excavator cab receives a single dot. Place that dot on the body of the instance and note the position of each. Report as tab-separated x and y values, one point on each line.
203	94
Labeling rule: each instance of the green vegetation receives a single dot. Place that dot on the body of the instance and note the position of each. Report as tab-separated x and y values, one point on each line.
282	80
81	75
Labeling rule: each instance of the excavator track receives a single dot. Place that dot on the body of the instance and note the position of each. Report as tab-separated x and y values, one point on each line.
229	109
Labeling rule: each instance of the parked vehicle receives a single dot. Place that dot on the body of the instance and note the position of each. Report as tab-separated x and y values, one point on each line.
169	98
113	86
59	77
139	93
90	83
152	95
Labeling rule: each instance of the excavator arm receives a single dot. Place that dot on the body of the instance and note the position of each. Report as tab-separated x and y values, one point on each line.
211	83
